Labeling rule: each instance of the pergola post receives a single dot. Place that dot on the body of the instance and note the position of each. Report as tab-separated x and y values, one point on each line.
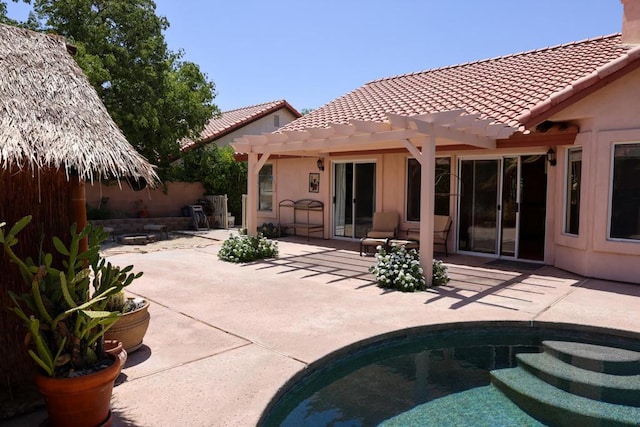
252	194
427	195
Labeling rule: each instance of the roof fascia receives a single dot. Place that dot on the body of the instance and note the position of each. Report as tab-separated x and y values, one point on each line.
593	85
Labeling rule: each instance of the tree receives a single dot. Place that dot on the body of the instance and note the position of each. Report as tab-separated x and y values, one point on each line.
155	98
4	19
219	172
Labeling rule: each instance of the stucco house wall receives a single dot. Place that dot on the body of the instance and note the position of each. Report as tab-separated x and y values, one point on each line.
608	116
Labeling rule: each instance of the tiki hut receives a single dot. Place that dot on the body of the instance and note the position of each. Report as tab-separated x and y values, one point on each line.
55	135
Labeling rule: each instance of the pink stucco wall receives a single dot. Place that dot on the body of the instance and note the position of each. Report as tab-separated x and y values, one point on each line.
124	202
606	117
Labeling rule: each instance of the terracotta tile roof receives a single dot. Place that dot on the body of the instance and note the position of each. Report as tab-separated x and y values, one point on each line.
234	119
508	89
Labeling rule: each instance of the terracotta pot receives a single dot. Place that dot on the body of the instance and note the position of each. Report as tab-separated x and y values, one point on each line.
130	328
81	401
116	349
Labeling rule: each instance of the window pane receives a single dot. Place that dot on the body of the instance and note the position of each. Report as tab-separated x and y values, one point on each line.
574	174
442	188
413	190
625	199
265	188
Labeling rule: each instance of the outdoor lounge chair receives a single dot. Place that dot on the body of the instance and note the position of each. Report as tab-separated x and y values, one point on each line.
441	229
384	227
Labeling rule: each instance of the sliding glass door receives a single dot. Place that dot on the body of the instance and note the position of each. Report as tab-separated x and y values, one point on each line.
502	208
353	198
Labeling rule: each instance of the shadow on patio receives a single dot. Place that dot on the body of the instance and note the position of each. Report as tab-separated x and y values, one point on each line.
510	285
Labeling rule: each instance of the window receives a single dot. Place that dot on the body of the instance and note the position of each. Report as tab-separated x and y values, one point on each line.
265	188
574	174
442	188
625	194
276	120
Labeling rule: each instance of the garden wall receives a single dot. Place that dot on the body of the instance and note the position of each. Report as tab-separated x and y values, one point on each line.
126	203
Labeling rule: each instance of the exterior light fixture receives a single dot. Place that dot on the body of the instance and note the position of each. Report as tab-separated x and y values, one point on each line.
551	157
320	165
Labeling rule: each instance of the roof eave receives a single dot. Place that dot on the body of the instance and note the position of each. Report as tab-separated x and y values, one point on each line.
581	88
236	126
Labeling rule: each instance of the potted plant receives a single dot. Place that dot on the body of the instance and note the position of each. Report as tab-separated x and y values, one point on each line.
65	314
130	328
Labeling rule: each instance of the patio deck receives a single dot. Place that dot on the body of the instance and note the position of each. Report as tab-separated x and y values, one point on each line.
224	338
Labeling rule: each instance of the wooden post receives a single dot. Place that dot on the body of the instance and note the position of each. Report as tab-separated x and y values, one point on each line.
252	194
427	195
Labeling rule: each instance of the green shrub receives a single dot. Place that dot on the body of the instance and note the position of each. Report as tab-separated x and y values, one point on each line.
400	269
246	248
269	230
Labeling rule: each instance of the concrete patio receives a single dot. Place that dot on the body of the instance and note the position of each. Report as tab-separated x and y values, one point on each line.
224	338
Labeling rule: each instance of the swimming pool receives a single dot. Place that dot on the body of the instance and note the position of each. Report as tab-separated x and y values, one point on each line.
438	374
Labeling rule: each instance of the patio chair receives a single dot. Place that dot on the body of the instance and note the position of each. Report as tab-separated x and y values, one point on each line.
441	228
384	227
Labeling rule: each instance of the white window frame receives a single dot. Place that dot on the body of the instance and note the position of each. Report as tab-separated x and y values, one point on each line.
273	189
567	194
406	186
610	204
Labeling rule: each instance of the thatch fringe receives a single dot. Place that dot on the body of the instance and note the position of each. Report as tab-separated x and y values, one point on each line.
51	116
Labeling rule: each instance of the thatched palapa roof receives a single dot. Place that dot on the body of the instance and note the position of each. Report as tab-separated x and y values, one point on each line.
51	116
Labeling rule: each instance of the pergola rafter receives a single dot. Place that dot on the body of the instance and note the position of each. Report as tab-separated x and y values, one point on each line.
417	134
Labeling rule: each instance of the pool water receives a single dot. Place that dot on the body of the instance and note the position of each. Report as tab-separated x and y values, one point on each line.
432	376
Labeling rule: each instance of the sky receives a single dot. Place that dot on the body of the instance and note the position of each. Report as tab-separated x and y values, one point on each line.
311	52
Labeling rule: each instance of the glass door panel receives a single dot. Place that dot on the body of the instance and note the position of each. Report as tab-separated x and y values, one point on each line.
509	207
533	207
364	200
354	198
478	230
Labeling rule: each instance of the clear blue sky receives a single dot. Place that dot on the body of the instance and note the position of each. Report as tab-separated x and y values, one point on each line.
311	52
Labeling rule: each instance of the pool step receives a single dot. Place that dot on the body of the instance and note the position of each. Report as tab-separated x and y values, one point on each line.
618	389
608	360
557	407
575	384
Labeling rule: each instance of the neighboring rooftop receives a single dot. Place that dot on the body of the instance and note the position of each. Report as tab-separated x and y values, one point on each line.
507	89
228	121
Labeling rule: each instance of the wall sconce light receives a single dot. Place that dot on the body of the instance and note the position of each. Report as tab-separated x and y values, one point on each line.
551	157
320	165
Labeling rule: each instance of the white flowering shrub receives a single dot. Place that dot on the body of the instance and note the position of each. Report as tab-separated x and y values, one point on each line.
246	248
400	269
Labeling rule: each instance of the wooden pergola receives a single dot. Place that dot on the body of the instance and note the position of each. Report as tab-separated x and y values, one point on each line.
418	134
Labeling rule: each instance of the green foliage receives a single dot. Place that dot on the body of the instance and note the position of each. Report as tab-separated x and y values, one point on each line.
219	172
247	248
400	269
153	96
65	308
102	211
269	230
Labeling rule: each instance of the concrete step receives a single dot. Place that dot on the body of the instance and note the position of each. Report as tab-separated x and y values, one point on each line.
618	389
595	358
556	407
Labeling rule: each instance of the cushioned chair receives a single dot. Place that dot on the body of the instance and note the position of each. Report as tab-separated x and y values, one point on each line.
441	229
384	227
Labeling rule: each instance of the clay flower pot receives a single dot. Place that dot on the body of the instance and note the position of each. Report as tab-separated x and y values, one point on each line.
83	400
130	328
